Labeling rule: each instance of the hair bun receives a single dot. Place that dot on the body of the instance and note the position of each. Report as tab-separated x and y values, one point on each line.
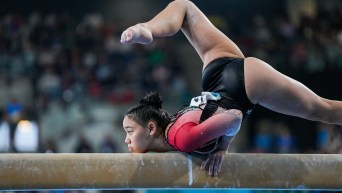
152	99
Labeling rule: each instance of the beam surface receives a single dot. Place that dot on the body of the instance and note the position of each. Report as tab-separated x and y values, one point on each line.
168	170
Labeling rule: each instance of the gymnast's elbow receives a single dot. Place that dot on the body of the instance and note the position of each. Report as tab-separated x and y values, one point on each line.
234	126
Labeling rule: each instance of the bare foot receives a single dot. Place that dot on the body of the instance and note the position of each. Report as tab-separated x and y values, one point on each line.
137	34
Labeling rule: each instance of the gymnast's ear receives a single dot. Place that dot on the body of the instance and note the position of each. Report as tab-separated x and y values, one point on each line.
152	127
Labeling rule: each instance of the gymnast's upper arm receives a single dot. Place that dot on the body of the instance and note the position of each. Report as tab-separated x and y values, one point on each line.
225	123
222	123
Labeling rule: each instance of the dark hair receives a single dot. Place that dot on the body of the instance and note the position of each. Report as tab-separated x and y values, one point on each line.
150	108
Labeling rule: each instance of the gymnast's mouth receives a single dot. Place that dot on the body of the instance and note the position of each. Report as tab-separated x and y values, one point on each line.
130	149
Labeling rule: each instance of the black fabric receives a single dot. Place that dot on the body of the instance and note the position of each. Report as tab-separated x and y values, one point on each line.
209	109
209	147
226	76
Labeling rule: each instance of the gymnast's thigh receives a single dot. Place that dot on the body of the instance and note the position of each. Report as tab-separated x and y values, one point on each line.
269	88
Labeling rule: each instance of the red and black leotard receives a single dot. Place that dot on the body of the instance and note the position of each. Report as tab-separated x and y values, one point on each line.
226	76
191	132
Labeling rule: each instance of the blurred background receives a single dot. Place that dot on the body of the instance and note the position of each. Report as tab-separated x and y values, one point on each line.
66	81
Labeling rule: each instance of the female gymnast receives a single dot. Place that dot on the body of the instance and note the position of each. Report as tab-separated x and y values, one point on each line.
232	86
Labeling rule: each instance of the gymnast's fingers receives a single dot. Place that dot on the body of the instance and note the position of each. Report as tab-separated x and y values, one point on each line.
218	164
212	165
204	163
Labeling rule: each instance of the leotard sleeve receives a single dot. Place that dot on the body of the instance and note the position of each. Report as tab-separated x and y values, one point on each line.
189	135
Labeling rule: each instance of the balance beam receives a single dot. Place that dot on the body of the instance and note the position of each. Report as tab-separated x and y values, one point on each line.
168	170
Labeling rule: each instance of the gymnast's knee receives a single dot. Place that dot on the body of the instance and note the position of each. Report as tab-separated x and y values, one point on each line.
181	5
180	2
184	3
323	112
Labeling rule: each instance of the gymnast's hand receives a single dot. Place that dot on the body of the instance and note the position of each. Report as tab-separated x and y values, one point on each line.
214	162
139	33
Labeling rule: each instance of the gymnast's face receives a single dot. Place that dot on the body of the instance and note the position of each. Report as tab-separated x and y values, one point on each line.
138	138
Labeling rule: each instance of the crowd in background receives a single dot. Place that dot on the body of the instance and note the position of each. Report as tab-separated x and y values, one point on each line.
64	58
313	46
57	58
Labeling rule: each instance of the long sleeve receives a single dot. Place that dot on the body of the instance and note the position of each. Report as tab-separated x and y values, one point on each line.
191	135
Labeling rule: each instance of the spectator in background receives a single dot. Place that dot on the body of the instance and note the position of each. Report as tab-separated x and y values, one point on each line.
108	145
323	135
263	140
83	145
284	141
50	146
14	112
273	137
4	134
50	84
330	142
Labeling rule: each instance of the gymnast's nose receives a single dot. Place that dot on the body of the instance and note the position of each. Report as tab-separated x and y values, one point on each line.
127	141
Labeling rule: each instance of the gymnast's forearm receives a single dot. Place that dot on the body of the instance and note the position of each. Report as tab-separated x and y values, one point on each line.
169	21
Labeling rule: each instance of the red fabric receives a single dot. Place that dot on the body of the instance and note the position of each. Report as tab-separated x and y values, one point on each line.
186	134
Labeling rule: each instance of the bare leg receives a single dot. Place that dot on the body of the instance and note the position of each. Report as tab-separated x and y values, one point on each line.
264	85
209	42
275	91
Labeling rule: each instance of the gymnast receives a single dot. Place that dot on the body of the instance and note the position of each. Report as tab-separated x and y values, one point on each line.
232	85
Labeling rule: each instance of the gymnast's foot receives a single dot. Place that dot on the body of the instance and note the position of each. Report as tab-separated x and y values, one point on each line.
137	34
